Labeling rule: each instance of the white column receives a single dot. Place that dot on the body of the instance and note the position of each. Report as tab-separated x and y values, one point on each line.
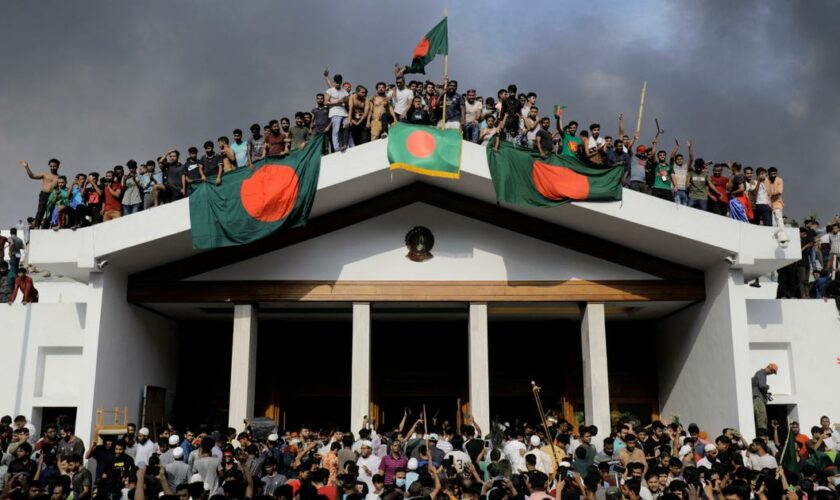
360	366
243	365
596	388
479	366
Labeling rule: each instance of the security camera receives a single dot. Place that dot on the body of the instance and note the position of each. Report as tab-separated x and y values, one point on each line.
729	260
101	264
782	238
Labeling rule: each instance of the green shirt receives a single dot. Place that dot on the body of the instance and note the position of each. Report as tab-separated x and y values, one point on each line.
662	169
571	145
697	185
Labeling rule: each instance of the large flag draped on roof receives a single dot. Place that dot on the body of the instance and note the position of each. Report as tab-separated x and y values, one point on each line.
251	204
521	177
435	42
425	150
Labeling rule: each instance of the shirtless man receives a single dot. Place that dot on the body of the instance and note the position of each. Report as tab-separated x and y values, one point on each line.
380	104
359	108
228	159
48	182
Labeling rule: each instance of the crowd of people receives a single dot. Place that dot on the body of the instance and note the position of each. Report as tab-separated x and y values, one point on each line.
436	462
347	116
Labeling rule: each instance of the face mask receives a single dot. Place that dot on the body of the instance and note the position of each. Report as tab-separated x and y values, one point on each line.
401	482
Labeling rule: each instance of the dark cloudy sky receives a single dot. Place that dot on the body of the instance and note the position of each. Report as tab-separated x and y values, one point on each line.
95	83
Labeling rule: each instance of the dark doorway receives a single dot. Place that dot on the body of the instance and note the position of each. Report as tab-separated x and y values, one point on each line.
304	372
546	352
416	363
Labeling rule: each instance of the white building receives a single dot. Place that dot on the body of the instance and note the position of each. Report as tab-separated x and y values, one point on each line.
332	321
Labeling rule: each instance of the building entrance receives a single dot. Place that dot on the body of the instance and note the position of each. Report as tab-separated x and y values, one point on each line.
416	363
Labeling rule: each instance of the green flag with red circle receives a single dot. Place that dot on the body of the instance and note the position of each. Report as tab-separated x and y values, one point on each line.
425	150
251	204
435	42
521	177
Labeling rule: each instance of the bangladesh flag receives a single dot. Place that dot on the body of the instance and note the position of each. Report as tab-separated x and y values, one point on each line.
435	42
521	177
425	150
790	457
251	204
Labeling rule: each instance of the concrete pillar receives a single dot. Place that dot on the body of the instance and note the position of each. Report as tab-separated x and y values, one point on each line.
596	388
479	366
360	366
243	365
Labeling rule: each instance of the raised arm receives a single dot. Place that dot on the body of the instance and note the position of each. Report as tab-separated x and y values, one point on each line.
330	83
25	165
620	126
690	154
674	150
559	118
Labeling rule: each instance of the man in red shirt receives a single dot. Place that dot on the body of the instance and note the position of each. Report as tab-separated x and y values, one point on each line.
25	285
719	202
113	193
275	140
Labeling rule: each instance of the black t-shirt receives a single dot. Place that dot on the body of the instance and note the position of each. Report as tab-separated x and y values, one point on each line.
122	465
321	117
544	136
174	174
104	459
454	102
28	467
418	116
738	180
191	167
212	164
473	448
510	108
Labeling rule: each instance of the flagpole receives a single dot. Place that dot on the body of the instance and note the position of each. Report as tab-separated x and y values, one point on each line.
445	69
641	108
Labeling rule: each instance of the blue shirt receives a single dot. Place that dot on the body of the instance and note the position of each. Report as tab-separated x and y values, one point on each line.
240	152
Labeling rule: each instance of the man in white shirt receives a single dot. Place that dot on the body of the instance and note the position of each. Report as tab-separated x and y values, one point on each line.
759	459
515	451
368	464
145	448
336	100
400	96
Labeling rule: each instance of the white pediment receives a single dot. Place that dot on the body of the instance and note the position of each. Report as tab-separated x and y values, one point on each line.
464	250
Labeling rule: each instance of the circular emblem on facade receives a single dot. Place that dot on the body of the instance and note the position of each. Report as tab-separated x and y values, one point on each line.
419	242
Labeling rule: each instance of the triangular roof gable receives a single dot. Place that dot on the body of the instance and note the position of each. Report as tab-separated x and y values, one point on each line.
141	285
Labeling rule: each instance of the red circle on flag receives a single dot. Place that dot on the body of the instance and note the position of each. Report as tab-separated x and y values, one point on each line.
270	194
420	143
556	182
422	49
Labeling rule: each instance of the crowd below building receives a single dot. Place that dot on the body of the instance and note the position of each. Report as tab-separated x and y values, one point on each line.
347	116
437	461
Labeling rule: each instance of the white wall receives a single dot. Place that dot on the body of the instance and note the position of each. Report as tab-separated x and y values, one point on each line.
703	355
803	338
41	356
125	349
464	249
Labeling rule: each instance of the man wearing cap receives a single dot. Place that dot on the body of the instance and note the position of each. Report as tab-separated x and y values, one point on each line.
167	456
544	463
635	176
177	471
761	394
709	459
145	448
368	463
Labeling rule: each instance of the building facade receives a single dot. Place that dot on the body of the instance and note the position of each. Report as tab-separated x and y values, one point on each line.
634	308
